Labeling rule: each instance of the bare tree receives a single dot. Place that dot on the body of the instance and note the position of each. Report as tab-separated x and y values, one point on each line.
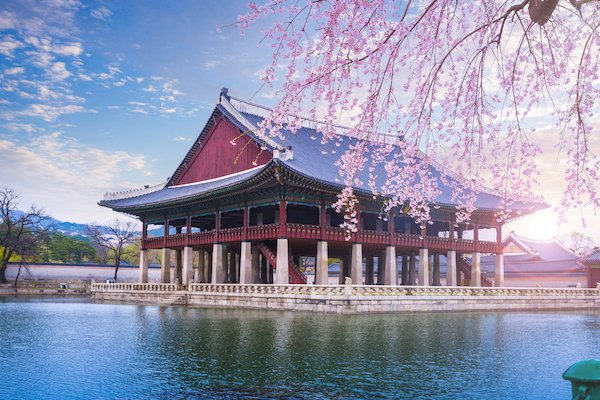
118	235
579	243
18	229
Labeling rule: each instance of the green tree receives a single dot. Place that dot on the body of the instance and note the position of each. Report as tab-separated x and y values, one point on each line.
69	249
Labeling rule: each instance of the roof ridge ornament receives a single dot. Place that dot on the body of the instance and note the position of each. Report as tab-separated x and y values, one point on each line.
224	100
126	194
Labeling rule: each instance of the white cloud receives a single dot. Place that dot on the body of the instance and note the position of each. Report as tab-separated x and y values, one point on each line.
58	71
29	128
59	173
181	139
8	44
7	20
14	71
49	113
208	65
101	13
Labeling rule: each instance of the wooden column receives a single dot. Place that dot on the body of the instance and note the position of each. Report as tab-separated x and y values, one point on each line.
476	236
391	226
323	219
188	230
217	226
165	232
144	235
282	218
246	218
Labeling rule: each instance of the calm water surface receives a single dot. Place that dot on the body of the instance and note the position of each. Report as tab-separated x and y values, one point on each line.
71	349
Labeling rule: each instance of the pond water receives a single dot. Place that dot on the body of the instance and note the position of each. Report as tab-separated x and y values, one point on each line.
73	349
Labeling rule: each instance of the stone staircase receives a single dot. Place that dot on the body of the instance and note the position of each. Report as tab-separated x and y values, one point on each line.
295	276
465	267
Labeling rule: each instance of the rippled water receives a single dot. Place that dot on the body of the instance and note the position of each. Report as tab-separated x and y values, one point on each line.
71	349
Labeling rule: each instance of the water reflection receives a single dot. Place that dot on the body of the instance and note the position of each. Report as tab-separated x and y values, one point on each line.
75	350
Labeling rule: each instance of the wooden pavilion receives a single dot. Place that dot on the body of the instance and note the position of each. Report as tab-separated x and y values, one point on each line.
252	205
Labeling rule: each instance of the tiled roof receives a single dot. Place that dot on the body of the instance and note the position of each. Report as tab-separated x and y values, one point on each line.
593	258
548	250
171	193
309	159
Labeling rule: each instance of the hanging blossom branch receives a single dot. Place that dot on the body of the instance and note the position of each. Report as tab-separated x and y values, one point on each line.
452	80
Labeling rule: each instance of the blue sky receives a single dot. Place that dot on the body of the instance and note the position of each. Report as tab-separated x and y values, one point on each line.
99	96
108	95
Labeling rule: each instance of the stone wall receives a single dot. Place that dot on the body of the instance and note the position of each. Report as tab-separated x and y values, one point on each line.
359	299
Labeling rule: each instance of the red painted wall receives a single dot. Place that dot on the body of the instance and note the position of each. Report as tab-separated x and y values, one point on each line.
217	157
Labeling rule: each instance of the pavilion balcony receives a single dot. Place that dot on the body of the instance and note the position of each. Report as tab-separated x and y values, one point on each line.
316	232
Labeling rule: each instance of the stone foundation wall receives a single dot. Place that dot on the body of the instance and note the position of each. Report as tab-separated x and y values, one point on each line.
356	304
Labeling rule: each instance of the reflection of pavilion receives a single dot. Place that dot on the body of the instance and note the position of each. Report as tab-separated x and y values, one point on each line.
253	205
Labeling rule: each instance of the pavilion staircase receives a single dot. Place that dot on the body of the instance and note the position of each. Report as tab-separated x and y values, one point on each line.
464	266
296	277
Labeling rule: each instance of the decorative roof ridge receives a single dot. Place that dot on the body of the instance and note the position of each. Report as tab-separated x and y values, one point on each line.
217	178
127	194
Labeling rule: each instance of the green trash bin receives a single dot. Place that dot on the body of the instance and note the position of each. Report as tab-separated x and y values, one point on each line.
585	379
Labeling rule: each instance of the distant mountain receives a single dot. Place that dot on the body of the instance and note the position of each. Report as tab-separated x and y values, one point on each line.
66	228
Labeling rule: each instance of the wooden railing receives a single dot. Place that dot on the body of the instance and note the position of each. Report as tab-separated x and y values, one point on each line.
313	232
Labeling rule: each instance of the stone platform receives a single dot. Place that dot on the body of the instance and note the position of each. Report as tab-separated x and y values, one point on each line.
350	299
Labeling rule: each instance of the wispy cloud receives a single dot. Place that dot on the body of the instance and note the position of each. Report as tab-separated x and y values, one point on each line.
101	13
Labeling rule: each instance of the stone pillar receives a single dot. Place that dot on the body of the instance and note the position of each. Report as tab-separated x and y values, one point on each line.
255	268
246	263
143	273
436	270
381	268
178	267
356	263
236	267
188	266
405	269
165	266
391	266
199	276
451	278
370	271
412	271
423	267
282	275
342	274
321	264
219	267
207	266
476	270
499	278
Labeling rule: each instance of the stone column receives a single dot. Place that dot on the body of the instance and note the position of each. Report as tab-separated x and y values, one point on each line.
236	268
476	270
188	266
342	274
436	270
356	263
412	271
391	266
178	267
246	263
199	276
451	278
499	278
165	266
282	275
219	267
370	271
423	267
321	265
255	268
381	268
207	266
405	269
143	273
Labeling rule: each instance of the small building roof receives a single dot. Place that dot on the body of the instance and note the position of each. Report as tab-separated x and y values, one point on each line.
591	259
